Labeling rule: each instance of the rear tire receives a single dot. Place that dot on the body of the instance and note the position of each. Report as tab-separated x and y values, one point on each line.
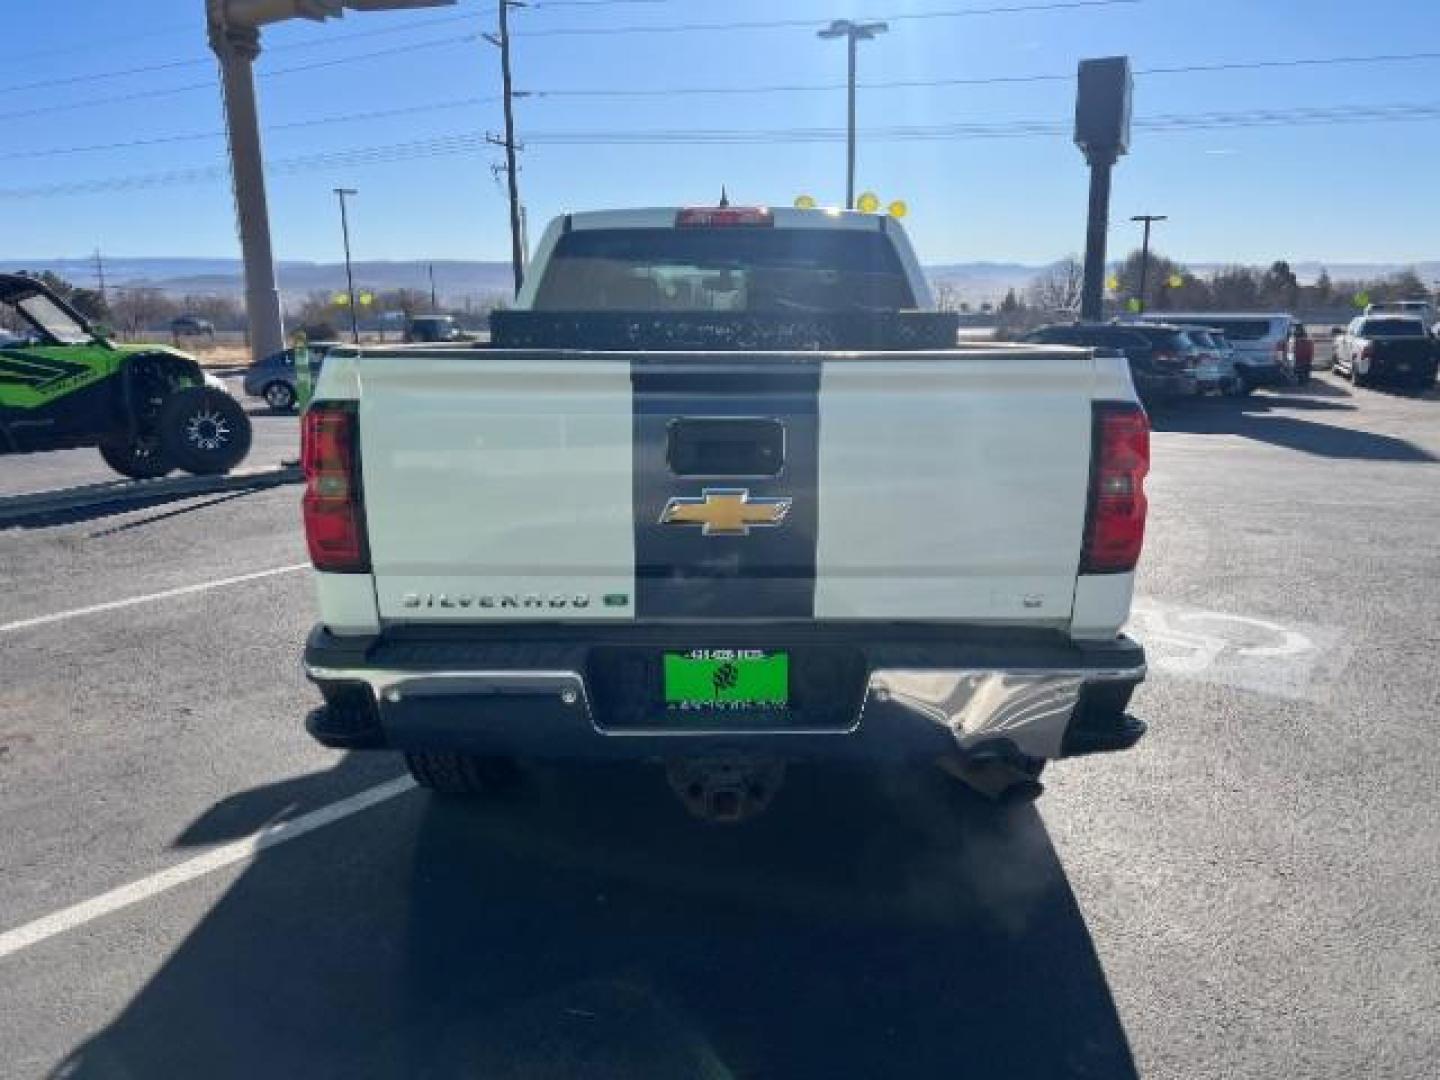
204	431
448	772
139	458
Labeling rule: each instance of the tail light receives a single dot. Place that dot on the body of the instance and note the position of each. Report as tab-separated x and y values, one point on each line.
1115	521
705	217
334	506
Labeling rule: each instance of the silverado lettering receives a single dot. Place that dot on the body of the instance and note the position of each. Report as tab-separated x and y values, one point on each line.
465	600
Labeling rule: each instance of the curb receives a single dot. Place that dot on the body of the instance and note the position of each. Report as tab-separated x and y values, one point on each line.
17	508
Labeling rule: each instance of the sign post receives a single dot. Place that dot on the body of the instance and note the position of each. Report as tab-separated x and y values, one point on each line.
1102	132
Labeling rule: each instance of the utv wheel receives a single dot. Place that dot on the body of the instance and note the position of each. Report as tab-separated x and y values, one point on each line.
139	458
448	772
204	431
280	397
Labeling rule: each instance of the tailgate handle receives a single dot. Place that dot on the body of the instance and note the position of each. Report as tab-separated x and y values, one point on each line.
726	447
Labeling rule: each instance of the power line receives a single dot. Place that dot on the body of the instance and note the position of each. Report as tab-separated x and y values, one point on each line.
324	40
790	88
781	24
330	41
96	76
1010	129
201	136
677	91
319	42
982	80
106	43
140	95
466	142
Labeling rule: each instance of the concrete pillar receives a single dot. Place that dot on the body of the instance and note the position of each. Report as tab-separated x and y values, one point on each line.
237	48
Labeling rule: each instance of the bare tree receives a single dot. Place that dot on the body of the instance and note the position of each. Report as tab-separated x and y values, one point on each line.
409	301
221	310
140	309
1058	288
947	296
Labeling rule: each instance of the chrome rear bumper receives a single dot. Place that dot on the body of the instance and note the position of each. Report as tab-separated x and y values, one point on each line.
1035	712
1031	710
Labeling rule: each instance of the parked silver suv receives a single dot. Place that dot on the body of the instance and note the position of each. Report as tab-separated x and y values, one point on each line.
1259	341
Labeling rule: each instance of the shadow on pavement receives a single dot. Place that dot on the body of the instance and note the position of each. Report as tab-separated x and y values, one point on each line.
1321	387
1259	418
249	811
586	928
130	504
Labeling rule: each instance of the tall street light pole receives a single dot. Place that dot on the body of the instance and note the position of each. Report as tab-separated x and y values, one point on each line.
853	33
341	193
1148	219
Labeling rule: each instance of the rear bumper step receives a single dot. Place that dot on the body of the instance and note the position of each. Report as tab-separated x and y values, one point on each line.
914	696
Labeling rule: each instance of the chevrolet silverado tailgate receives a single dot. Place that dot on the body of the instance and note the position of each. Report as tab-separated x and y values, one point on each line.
553	485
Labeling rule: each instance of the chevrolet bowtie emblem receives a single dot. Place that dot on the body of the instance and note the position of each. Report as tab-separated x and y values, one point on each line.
726	511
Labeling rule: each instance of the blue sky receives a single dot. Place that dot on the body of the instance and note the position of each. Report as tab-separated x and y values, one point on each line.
1353	192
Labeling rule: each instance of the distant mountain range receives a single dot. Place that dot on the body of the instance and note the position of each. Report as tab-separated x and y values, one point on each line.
456	280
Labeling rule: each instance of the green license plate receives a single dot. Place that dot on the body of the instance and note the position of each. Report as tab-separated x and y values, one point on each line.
727	679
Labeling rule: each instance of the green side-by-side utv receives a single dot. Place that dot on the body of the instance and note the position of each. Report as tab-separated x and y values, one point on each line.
148	408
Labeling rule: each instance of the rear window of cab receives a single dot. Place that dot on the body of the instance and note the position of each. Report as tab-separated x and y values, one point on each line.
724	269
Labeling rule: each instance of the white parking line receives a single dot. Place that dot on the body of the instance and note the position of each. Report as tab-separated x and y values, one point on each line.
113	605
22	937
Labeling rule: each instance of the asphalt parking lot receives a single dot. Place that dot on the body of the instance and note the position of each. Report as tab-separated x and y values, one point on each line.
1250	893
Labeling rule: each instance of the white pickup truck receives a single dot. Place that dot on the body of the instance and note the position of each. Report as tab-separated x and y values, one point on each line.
1394	348
717	495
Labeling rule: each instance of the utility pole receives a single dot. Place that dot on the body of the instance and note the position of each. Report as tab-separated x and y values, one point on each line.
853	33
100	278
1148	219
502	42
341	193
434	305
